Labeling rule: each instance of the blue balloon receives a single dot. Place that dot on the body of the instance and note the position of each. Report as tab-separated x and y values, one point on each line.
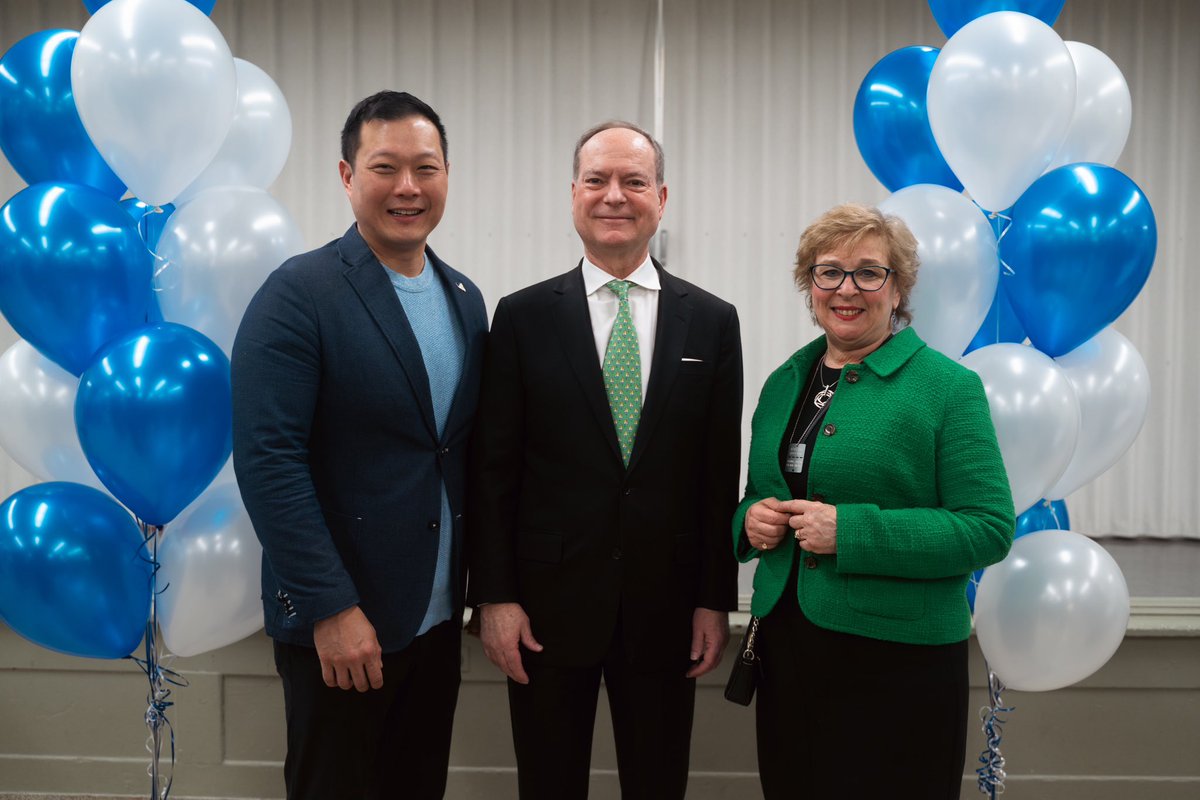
150	221
1080	248
204	5
75	272
74	574
1000	324
40	130
891	122
953	14
1041	516
154	416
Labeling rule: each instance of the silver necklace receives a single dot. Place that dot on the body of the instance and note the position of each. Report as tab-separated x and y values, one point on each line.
822	398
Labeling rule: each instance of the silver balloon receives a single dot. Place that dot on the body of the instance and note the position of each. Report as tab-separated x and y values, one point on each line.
1112	384
38	431
155	86
959	264
1051	613
217	250
210	567
1035	413
1103	110
257	145
1001	96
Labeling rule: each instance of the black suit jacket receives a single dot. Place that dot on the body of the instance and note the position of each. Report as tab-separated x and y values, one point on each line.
335	445
558	523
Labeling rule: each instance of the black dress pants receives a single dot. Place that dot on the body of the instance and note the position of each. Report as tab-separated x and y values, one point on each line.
392	742
554	715
842	716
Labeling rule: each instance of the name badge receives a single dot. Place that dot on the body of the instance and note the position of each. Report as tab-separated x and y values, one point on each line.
794	460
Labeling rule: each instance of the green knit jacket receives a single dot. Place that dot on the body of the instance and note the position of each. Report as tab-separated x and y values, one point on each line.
908	454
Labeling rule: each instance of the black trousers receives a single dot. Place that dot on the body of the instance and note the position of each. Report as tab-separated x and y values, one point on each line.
842	716
554	715
386	743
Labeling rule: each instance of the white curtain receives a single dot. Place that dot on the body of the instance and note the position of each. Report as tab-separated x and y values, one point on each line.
759	141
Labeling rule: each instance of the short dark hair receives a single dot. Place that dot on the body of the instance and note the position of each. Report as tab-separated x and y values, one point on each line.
660	167
386	105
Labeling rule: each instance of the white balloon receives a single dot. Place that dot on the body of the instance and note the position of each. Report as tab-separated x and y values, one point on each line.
155	86
959	264
1051	613
1103	110
1000	100
1112	384
257	145
38	430
1035	413
211	563
218	248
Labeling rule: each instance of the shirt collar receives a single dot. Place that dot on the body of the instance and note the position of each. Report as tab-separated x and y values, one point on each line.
645	276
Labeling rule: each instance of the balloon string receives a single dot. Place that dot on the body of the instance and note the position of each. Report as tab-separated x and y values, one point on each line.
1005	269
1054	515
159	676
992	774
160	263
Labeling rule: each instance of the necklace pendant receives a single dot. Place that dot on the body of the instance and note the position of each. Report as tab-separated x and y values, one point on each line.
823	397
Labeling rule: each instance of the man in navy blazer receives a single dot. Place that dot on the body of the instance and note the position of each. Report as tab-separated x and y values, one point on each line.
356	372
597	550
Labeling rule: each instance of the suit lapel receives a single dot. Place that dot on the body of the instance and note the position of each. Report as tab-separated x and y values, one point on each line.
369	280
674	317
573	327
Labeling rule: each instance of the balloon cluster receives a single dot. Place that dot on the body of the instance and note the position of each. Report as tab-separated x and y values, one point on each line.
1052	245
119	387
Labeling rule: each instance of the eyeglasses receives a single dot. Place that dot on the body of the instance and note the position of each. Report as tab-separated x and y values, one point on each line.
867	279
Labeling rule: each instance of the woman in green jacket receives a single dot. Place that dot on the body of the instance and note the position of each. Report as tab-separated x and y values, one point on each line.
875	487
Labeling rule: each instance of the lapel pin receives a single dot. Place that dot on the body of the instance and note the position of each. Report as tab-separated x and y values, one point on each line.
461	288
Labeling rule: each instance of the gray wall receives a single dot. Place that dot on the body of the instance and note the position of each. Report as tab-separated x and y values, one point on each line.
75	726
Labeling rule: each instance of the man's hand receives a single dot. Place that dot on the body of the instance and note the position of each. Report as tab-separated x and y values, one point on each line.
766	523
349	652
710	633
505	627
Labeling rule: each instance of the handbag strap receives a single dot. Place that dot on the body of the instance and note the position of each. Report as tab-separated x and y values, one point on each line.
748	644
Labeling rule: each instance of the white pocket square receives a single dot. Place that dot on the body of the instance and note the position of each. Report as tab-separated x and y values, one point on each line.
694	360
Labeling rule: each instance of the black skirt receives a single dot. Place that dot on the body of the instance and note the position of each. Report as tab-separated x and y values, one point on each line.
842	716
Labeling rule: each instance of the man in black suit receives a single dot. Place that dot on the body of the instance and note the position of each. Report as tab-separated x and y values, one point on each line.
600	541
355	377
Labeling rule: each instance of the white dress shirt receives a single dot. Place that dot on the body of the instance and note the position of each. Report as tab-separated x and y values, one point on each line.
643	307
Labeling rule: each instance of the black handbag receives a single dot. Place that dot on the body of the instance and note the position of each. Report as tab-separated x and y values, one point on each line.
743	678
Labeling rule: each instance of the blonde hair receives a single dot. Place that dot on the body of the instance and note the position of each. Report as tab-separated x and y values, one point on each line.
847	225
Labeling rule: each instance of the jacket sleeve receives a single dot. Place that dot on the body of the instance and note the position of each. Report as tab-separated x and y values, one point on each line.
741	545
718	585
763	463
276	368
973	525
494	474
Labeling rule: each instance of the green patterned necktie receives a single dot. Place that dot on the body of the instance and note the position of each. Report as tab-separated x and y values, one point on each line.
623	372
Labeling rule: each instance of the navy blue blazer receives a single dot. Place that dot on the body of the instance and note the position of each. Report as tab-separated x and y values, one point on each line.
335	445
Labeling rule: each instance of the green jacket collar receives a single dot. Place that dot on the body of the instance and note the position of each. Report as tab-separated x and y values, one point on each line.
883	362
